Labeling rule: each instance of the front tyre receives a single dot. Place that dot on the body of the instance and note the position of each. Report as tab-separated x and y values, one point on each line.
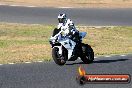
56	56
88	54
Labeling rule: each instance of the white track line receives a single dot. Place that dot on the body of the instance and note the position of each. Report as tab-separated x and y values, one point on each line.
17	5
22	6
95	57
2	4
107	56
27	62
97	26
65	7
79	58
122	55
11	63
39	61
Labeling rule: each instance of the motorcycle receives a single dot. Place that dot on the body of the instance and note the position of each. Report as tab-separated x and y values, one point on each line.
64	49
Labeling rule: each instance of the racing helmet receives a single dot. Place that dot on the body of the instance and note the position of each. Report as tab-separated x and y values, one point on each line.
62	18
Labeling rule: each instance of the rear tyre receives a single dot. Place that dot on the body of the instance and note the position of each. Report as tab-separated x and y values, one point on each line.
88	54
56	57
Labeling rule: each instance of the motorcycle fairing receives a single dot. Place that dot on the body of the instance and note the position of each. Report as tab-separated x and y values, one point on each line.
69	45
82	35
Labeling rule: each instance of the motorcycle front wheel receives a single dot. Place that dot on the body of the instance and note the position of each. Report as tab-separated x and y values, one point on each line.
56	56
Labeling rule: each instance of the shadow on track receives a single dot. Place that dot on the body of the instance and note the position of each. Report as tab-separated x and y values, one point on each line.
75	63
110	61
100	61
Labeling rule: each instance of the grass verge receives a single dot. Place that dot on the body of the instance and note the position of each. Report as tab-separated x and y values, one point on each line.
21	42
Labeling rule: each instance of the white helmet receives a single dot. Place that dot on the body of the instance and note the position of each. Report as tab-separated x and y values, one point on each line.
62	18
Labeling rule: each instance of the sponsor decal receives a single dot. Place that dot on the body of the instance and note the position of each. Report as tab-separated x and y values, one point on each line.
84	78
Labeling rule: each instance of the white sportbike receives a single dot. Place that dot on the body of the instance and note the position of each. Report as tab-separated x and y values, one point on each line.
66	49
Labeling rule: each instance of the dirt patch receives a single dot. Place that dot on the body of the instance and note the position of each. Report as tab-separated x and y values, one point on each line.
72	3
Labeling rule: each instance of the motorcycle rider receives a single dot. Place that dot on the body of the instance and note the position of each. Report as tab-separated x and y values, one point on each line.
68	27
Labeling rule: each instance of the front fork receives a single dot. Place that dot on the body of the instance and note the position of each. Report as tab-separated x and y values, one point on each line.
60	49
60	52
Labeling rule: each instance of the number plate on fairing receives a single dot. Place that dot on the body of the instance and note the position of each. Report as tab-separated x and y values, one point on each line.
68	44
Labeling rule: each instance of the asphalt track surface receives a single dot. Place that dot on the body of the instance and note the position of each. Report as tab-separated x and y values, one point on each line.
87	16
50	75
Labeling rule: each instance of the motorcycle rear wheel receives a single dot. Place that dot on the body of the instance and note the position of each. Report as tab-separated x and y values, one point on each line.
88	54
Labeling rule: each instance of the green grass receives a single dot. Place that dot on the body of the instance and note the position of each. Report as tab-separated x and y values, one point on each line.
106	41
23	42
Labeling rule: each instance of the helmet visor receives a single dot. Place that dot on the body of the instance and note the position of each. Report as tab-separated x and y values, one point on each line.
61	20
